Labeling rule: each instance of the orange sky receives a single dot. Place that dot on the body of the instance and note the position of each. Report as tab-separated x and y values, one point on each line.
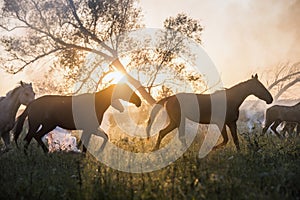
241	37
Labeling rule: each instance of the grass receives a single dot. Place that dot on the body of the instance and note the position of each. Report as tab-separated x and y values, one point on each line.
266	168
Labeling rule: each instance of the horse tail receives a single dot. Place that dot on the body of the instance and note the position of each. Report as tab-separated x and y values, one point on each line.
19	125
154	112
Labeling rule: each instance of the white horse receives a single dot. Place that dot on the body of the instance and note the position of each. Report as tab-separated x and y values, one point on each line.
9	106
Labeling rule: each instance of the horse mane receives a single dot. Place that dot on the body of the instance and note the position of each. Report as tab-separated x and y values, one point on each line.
297	104
231	88
239	85
13	91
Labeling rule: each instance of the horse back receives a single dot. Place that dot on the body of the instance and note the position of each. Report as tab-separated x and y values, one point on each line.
52	109
283	113
203	108
195	107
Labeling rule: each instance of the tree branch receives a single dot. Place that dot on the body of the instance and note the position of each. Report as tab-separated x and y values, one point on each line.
285	77
287	86
87	32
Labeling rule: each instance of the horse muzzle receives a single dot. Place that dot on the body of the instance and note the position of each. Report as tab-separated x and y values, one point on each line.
269	101
138	104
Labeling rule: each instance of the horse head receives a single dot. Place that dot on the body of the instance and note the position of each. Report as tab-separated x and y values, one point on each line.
26	94
124	92
259	90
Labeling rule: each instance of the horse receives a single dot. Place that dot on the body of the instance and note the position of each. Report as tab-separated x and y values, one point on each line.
79	112
9	105
278	113
177	113
289	127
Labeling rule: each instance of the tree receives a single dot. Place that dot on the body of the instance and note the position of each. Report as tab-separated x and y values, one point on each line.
164	57
283	77
68	30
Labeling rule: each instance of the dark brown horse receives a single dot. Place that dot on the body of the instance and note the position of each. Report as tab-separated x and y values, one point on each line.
277	114
226	109
289	127
82	112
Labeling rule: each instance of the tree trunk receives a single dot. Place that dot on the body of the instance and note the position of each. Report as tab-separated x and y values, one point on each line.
135	83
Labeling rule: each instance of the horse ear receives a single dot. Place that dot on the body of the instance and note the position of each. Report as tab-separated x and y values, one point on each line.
256	76
30	84
22	84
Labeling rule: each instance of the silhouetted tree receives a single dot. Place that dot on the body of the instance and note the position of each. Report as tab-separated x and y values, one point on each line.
164	57
68	30
282	78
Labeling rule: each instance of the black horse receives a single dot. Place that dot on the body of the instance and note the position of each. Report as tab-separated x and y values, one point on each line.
81	112
202	110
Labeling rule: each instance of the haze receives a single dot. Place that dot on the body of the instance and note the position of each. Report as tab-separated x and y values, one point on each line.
241	37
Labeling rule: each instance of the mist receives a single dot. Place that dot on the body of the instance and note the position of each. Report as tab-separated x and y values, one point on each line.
241	37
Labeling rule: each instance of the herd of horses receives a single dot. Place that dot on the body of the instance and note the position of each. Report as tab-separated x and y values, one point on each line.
85	112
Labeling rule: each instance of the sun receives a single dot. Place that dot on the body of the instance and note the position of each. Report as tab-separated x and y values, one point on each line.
115	77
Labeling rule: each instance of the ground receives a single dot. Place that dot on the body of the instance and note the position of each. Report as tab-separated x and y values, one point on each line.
266	168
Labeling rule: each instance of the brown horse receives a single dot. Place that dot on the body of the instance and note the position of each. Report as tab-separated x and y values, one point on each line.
203	111
277	114
82	112
289	127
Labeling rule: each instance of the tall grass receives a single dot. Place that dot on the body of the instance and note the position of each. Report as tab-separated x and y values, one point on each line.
266	168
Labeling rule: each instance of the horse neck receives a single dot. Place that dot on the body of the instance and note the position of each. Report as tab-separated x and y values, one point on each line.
12	103
103	98
238	94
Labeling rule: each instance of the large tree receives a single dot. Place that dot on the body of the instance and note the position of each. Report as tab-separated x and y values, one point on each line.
68	29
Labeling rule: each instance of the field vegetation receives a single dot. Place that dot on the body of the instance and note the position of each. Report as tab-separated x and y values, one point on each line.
266	168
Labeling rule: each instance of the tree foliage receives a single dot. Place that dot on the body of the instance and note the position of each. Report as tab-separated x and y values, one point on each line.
165	57
69	31
65	28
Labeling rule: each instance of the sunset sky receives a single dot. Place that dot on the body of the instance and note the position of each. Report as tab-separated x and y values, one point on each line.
241	37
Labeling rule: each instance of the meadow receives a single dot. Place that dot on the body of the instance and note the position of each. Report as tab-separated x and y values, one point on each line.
266	168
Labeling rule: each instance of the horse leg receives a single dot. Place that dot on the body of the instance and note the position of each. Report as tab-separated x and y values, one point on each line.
162	133
289	128
224	135
102	134
233	130
32	130
5	137
85	139
38	136
267	125
293	129
274	126
181	131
